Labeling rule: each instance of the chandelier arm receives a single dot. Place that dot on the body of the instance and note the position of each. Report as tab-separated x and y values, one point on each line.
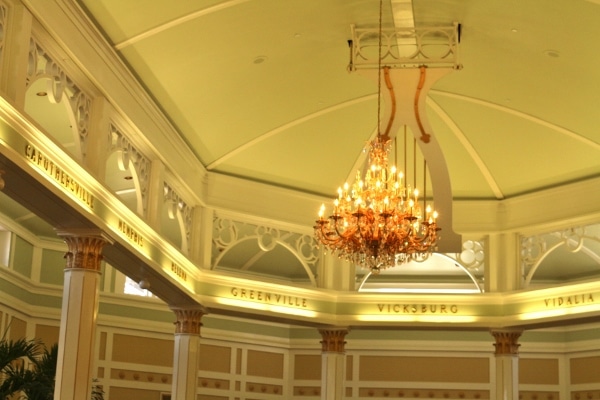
337	230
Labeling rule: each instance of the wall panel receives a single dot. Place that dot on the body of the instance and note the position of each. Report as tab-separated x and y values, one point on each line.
424	369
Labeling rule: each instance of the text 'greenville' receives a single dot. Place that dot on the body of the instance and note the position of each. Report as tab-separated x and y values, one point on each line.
266	297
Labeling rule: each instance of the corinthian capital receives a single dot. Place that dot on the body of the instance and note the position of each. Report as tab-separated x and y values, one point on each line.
84	248
188	319
506	342
333	339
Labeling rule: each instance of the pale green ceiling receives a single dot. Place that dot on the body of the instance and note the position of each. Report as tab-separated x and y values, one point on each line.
259	90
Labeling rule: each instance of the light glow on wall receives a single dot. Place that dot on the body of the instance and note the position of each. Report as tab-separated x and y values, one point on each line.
558	312
418	318
267	307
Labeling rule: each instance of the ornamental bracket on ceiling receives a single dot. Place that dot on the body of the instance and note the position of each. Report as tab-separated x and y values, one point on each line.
434	47
416	58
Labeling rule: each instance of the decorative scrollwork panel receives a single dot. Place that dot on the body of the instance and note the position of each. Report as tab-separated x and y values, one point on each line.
573	240
3	20
129	156
60	86
176	207
230	234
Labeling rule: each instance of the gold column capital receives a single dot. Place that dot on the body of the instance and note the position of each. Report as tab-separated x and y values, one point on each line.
506	341
84	247
333	339
188	319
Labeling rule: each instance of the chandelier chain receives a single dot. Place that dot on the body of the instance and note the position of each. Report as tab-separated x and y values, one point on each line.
379	45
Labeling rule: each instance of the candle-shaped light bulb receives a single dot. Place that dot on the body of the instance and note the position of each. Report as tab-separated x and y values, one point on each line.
322	211
416	193
339	192
435	215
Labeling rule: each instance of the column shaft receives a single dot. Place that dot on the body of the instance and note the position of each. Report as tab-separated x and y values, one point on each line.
333	363
335	273
503	273
507	365
186	352
78	317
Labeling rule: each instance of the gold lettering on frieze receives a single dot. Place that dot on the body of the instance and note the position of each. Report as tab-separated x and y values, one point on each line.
179	271
417	308
567	301
131	233
61	177
267	297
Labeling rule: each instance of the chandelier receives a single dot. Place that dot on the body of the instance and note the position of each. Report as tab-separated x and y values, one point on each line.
378	222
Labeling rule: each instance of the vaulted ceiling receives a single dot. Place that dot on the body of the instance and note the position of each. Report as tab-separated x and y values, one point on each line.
260	90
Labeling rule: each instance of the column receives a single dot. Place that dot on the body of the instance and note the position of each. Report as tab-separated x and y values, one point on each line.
98	138
335	273
333	363
187	352
507	365
79	312
503	272
156	195
202	229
